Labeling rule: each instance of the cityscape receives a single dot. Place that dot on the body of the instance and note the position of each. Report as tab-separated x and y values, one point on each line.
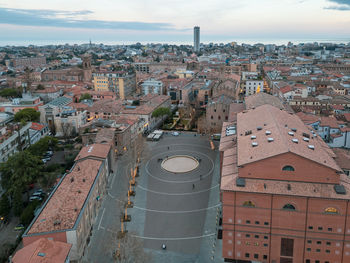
184	145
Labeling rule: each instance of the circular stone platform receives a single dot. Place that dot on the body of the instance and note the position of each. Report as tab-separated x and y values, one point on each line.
180	164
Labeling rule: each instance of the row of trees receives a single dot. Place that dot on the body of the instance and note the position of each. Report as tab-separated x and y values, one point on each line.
21	170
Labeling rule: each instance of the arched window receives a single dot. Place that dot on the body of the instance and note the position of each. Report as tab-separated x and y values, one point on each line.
331	210
249	204
288	168
288	207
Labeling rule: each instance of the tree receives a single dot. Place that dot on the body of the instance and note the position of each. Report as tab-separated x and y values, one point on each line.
40	87
160	112
28	213
19	171
40	147
67	130
5	207
85	96
17	202
27	114
130	250
8	92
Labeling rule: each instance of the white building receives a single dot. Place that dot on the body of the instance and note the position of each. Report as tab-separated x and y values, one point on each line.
152	86
251	86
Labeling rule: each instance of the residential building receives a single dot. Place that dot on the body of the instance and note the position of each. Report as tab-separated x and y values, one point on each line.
14	140
31	62
152	86
285	199
37	131
70	211
27	101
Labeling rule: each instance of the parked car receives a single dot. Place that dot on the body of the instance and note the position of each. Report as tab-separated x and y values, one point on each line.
175	133
35	197
19	227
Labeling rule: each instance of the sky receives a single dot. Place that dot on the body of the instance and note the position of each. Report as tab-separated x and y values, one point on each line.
172	21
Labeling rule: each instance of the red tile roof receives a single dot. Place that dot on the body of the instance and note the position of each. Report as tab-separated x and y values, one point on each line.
37	126
43	251
278	123
94	150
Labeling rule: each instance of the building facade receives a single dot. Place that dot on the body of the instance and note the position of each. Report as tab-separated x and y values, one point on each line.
285	199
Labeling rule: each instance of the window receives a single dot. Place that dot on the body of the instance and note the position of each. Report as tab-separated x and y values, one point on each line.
330	229
266	237
317	261
219	117
308	249
266	223
247	255
211	117
320	228
247	235
331	210
307	261
310	227
288	168
257	222
249	204
265	257
309	241
318	250
328	243
318	242
256	236
247	222
266	245
288	207
256	255
328	251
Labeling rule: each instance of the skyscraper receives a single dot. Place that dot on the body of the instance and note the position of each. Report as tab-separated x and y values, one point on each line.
196	40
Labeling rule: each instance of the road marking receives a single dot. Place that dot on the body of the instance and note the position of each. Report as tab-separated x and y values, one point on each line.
188	193
176	212
174	238
185	181
99	225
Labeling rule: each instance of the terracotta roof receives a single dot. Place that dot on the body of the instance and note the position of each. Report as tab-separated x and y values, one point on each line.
105	135
347	116
262	98
279	123
329	122
342	158
43	251
108	106
94	150
307	118
286	89
37	126
63	208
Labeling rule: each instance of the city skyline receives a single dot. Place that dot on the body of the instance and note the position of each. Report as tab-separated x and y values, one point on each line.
223	21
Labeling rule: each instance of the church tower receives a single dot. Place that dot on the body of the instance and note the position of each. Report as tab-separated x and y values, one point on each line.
87	71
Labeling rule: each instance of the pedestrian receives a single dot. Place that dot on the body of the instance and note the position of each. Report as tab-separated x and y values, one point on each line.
200	177
192	186
168	147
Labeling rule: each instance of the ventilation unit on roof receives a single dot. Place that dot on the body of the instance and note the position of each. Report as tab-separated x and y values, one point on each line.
268	132
248	132
306	135
291	133
295	140
254	144
312	147
258	128
253	137
270	139
40	254
306	139
294	129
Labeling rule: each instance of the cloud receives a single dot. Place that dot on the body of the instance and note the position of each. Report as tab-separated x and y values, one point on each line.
342	5
71	19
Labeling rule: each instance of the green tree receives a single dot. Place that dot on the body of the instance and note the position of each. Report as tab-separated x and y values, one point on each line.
162	111
17	202
19	171
8	92
5	207
40	87
85	96
27	114
28	213
40	147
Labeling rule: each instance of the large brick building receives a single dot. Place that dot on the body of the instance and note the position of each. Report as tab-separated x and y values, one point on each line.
285	199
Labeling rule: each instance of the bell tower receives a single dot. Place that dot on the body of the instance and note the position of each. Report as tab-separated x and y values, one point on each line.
87	72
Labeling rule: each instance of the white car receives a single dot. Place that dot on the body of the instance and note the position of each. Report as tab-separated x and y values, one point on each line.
175	133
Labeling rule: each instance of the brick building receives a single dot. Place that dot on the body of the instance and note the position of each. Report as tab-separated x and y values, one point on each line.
285	199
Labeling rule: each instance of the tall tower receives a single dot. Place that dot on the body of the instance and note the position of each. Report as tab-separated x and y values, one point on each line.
196	39
87	71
